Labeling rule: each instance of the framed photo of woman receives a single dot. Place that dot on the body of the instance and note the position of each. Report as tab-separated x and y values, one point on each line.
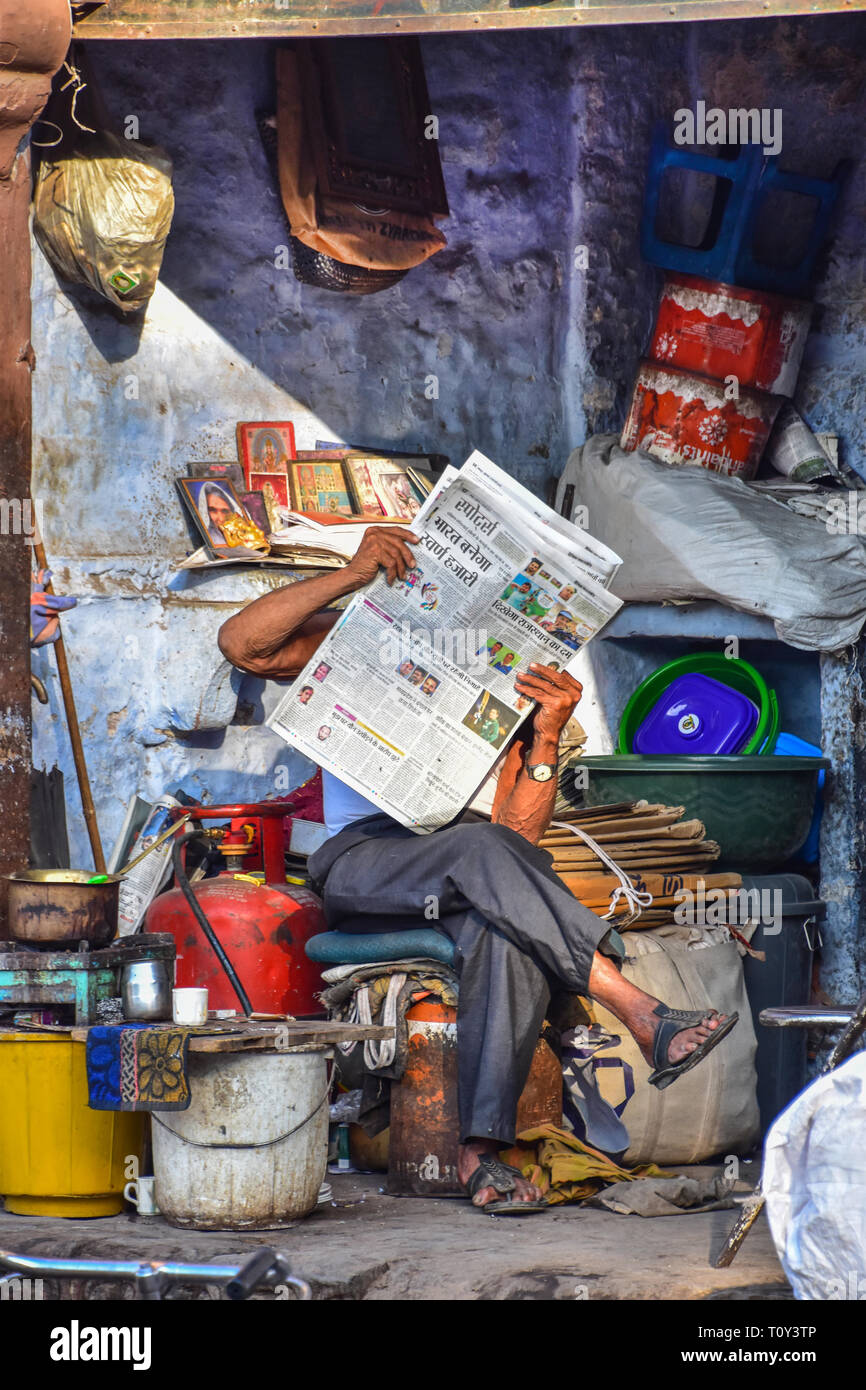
210	502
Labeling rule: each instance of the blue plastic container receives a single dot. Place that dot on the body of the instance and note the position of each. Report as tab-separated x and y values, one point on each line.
794	747
697	715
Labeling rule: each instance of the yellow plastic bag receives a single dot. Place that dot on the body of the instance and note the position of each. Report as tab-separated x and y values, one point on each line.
102	218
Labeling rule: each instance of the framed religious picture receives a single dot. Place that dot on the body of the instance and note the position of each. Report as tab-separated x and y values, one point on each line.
367	112
274	487
218	515
255	507
319	486
265	446
219	468
384	487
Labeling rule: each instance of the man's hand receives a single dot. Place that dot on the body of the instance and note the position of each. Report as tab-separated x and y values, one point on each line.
522	804
382	547
557	693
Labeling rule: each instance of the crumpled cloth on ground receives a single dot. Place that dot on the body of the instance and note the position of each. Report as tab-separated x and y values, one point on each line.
381	993
666	1196
566	1169
136	1066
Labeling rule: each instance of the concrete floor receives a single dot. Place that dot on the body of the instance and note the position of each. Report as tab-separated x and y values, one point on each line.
367	1245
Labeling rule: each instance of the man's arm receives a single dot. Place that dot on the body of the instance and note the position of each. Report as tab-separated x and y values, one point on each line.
520	803
276	635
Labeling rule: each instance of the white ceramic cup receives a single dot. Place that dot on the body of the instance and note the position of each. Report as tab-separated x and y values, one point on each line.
189	1006
142	1193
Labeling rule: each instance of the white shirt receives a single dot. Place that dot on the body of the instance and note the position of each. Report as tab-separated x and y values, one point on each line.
343	804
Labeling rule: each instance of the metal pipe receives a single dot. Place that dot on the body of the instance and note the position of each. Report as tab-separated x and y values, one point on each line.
151	1277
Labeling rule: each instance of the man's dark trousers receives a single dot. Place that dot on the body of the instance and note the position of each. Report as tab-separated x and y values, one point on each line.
517	930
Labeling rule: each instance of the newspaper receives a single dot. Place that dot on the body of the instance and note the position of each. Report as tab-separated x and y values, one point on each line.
141	884
411	696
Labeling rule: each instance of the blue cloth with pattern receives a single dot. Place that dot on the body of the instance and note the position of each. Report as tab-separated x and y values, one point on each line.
136	1066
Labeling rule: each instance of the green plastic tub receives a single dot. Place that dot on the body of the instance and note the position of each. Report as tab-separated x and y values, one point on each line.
758	809
740	675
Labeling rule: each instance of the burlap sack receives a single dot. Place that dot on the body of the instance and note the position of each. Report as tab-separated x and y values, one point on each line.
711	1109
333	226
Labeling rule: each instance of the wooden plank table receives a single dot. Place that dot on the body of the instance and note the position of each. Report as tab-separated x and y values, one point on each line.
277	1035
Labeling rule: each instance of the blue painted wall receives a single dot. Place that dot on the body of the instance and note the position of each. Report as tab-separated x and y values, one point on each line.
543	140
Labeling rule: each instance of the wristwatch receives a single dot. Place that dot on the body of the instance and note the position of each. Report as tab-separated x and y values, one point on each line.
540	772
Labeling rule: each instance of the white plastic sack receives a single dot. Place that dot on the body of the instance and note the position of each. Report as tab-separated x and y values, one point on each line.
814	1181
685	533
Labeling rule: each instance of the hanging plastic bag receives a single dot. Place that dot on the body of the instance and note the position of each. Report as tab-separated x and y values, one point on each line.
102	213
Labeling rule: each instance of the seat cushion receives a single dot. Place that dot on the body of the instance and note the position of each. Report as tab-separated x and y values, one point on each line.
355	948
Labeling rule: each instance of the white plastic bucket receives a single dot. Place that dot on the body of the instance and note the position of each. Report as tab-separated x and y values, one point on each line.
250	1152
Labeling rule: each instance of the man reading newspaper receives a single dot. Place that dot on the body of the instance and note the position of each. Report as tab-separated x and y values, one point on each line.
402	747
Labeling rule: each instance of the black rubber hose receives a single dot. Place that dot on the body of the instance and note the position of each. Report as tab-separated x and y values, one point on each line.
196	909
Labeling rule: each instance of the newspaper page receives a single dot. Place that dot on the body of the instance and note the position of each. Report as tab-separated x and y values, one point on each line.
411	696
140	886
595	558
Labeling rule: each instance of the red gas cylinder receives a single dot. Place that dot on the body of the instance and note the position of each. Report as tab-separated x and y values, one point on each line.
262	925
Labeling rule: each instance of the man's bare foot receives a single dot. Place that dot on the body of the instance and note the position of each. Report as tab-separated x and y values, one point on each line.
467	1161
643	1025
635	1009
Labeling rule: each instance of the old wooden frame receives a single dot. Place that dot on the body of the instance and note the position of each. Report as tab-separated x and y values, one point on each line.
413	183
227	19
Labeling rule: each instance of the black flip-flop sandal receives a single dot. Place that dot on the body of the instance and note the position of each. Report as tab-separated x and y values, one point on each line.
493	1173
675	1021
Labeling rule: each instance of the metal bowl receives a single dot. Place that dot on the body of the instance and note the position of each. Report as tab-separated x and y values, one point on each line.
59	907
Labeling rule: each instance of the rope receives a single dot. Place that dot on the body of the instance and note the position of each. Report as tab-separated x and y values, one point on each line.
262	1144
76	78
381	1054
377	1054
636	900
47	144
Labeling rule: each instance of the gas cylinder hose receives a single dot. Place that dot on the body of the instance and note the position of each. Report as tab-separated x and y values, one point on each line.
196	910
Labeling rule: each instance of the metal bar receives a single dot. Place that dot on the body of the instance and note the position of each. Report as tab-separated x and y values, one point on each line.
152	1277
806	1017
152	19
115	1269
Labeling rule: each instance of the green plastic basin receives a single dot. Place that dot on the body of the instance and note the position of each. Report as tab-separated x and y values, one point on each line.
740	675
758	809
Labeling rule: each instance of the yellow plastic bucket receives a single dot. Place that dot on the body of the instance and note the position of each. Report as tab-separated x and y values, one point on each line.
57	1156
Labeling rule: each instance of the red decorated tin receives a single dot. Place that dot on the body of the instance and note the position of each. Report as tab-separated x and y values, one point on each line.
726	330
683	418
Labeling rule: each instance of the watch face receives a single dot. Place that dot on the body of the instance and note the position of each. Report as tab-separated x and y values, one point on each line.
542	772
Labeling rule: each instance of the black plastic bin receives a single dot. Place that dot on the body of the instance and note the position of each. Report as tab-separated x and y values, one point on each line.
785	977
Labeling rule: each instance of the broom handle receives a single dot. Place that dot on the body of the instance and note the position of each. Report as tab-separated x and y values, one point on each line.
74	732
